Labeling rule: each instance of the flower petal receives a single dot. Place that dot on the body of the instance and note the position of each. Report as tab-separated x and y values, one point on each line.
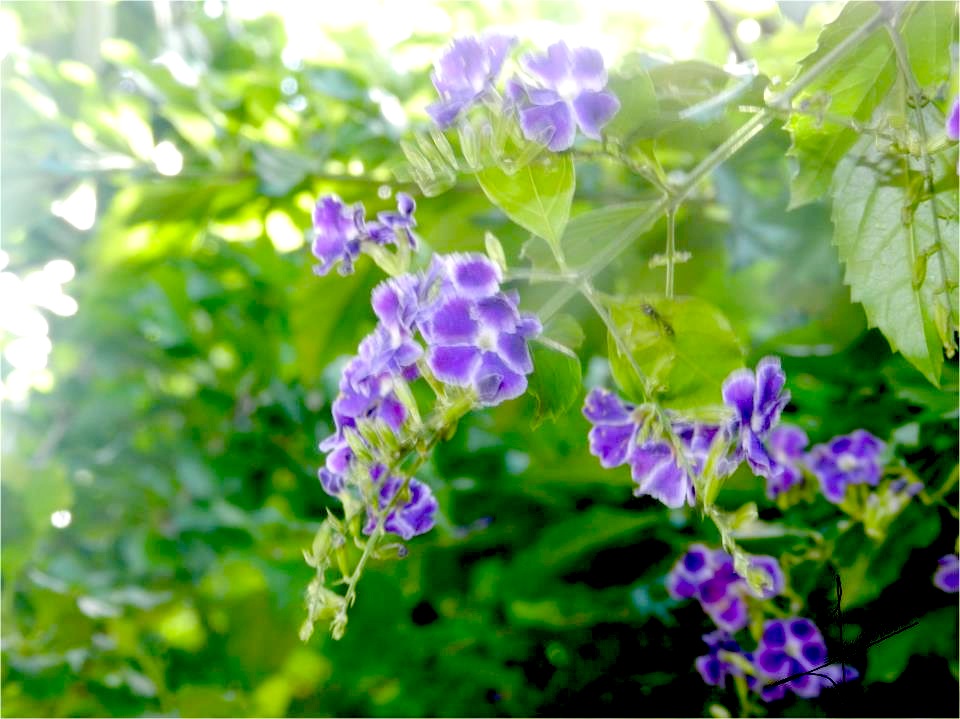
454	364
604	407
594	110
473	275
495	382
452	323
512	348
553	125
738	389
769	400
552	68
611	443
588	69
656	473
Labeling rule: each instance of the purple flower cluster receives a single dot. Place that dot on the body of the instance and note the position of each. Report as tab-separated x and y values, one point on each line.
653	466
340	231
787	647
465	72
757	400
708	575
947	577
793	646
565	88
776	453
453	318
476	334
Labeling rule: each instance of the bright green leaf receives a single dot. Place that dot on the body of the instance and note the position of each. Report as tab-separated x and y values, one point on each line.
685	348
900	266
537	196
852	88
589	233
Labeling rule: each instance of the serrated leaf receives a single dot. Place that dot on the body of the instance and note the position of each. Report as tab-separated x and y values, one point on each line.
684	346
895	266
555	382
537	196
852	88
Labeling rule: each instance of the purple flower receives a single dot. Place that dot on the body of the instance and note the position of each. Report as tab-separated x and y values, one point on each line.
947	577
337	234
653	463
613	436
715	669
340	231
393	226
331	482
568	91
757	400
465	72
953	121
793	646
654	468
366	391
708	575
416	515
785	446
846	460
775	581
477	336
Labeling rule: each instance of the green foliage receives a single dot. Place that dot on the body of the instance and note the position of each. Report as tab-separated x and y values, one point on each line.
555	381
537	196
190	390
851	89
898	248
684	347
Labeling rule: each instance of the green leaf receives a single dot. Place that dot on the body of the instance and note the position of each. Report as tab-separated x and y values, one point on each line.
638	102
684	346
935	635
927	35
591	232
900	266
555	381
561	545
537	196
852	88
564	329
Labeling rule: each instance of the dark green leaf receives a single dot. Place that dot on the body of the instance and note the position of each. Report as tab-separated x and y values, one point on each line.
555	381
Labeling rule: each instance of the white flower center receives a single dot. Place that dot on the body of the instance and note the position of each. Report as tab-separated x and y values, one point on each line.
847	462
487	340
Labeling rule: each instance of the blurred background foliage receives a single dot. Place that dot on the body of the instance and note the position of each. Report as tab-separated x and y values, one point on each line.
169	360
